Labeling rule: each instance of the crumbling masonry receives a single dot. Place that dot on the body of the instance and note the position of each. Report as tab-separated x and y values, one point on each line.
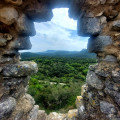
99	19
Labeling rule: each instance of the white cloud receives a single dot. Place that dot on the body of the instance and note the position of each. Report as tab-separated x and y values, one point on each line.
61	18
58	34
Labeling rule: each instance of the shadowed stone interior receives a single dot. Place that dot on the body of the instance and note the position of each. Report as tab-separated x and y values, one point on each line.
98	19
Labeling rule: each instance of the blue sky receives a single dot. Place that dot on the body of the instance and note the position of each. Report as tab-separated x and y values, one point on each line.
58	34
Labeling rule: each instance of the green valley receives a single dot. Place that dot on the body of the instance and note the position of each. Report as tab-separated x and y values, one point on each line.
58	81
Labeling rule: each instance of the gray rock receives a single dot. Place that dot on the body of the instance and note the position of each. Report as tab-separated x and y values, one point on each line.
8	15
25	26
33	113
107	108
93	98
116	25
93	67
6	107
93	80
6	59
29	98
15	86
108	58
116	76
17	91
97	44
114	94
15	81
102	73
14	2
112	86
89	26
42	115
21	43
42	14
26	103
2	41
19	115
20	69
11	53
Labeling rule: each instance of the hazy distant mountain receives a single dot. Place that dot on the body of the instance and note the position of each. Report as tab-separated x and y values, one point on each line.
59	53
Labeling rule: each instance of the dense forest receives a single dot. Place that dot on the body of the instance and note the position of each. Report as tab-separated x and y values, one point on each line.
58	81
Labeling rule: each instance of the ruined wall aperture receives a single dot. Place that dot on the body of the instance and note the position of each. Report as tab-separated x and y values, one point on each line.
98	19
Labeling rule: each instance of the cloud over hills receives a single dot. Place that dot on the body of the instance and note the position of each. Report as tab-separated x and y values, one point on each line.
58	34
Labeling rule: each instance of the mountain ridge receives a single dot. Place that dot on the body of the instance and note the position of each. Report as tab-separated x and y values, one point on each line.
59	53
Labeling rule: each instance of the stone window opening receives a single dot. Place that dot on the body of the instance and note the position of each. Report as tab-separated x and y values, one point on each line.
98	19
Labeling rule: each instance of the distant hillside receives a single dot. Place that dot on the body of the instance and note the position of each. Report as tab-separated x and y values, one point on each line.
57	53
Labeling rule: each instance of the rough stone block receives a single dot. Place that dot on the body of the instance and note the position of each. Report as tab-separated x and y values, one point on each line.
20	69
93	98
56	116
72	114
80	108
93	80
116	76
108	58
25	26
112	86
97	44
89	26
16	86
29	98
19	115
23	107
6	107
116	25
33	113
114	94
8	15
21	43
2	41
107	108
42	115
11	52
5	59
42	14
15	81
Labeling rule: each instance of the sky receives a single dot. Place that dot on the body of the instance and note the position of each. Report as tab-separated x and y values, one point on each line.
58	34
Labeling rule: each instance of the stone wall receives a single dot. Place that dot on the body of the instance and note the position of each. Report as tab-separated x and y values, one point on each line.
98	19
